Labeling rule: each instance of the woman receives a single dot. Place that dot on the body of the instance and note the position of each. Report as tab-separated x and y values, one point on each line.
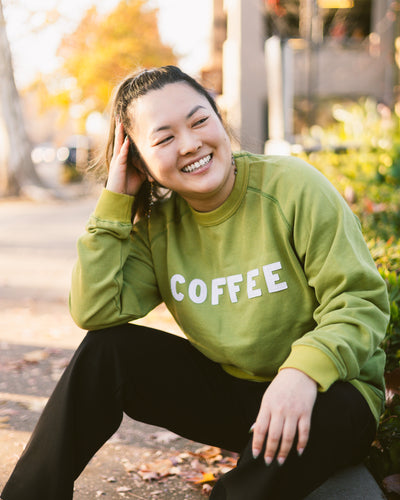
264	268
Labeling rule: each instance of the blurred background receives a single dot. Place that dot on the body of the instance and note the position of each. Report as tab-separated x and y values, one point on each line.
319	79
289	75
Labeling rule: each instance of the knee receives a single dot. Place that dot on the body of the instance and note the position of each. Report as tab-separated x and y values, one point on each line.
110	340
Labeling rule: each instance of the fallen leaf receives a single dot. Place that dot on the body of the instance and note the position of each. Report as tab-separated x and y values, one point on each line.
392	484
206	489
207	477
158	469
129	467
209	453
164	437
148	475
123	489
36	356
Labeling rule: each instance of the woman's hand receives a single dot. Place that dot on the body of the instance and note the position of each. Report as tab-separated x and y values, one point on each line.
123	178
285	409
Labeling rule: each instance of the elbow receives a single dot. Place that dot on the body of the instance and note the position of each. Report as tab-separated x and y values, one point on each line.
81	316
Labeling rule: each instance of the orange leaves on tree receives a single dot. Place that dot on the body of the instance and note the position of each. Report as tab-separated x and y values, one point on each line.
105	48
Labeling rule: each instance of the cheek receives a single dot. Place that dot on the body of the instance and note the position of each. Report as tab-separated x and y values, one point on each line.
158	164
219	134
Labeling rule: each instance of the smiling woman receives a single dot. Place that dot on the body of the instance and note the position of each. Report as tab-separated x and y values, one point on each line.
183	144
264	268
172	135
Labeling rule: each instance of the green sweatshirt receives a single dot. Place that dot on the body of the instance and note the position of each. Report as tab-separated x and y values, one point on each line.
278	276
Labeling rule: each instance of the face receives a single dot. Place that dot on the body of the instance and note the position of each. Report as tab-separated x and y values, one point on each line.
184	144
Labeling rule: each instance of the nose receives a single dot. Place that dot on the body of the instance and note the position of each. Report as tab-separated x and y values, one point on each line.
189	142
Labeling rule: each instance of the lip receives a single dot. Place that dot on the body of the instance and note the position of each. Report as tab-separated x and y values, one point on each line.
200	169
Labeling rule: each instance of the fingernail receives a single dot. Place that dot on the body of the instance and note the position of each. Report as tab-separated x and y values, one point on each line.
252	428
300	451
268	460
255	453
281	460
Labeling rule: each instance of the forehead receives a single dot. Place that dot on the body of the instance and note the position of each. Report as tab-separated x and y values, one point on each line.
163	107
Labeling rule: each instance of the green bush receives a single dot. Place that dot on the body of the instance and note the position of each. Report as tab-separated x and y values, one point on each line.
367	173
374	198
384	457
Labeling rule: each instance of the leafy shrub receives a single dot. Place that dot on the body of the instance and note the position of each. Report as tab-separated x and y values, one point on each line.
384	457
366	170
374	198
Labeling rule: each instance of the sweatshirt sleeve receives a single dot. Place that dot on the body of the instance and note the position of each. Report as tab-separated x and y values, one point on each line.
353	309
113	280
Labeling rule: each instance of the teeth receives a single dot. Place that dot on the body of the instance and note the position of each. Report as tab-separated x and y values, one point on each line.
197	164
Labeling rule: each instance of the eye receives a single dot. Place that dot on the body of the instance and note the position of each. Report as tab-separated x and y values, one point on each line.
164	141
200	122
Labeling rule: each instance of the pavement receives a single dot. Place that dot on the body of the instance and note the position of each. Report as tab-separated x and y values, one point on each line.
37	339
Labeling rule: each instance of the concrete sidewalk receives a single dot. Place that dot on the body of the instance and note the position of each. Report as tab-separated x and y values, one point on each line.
37	339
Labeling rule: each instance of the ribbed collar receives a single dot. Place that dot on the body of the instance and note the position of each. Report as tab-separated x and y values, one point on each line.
231	204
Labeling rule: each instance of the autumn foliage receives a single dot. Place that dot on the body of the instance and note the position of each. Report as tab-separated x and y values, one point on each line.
102	51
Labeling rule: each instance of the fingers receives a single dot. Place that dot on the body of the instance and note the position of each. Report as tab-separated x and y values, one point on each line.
284	433
260	429
274	437
279	431
123	152
285	412
280	437
121	146
117	175
304	433
118	138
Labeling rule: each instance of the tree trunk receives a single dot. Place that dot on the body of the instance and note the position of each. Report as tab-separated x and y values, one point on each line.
17	171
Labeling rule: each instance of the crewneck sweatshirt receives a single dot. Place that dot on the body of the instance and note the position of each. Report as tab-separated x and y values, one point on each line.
278	276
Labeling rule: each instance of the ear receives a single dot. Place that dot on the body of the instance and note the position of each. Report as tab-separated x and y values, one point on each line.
142	167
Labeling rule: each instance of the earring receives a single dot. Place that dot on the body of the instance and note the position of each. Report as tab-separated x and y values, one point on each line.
150	200
234	164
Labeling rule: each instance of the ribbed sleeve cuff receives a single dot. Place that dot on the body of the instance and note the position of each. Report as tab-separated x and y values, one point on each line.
114	207
313	363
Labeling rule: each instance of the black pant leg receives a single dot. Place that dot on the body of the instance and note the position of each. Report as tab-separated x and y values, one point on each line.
152	376
84	410
342	430
161	379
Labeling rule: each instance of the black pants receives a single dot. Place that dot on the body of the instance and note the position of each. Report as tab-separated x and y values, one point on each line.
160	379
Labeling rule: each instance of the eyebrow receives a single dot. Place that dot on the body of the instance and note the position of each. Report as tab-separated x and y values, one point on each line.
189	115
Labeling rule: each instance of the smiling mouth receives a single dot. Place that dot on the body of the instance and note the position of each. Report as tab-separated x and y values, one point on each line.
197	164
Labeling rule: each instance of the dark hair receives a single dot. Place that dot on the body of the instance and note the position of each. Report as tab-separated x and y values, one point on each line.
130	89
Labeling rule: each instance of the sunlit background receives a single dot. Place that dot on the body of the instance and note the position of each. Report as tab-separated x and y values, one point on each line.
35	30
43	35
319	79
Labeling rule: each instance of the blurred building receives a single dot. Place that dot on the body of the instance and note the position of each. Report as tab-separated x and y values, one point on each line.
274	60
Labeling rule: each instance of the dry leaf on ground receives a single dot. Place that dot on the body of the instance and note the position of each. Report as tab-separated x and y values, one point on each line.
202	467
36	356
158	469
164	437
392	484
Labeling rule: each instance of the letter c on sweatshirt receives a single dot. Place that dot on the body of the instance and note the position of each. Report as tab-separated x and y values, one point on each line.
177	278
